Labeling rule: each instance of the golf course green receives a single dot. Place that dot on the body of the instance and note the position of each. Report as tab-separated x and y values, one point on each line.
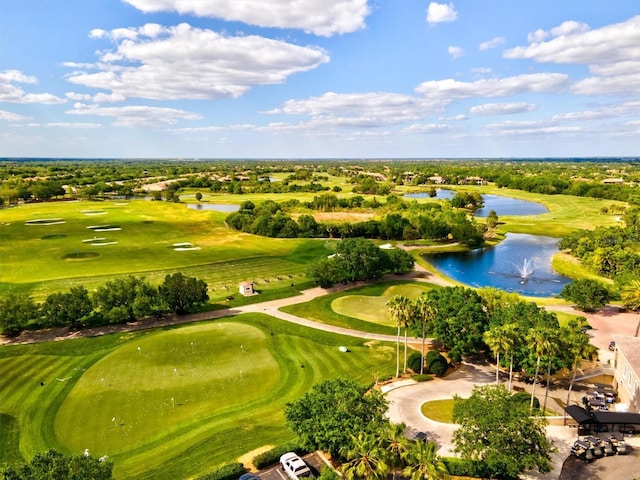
173	402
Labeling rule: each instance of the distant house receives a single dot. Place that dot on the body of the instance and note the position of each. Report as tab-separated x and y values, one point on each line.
613	181
627	371
246	289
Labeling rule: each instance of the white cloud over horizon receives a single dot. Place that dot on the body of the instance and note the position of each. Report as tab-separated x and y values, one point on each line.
441	13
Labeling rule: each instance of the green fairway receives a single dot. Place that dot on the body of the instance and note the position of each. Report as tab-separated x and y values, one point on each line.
373	308
138	237
362	308
174	402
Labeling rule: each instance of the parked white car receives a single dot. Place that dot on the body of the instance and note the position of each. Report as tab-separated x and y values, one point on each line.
294	466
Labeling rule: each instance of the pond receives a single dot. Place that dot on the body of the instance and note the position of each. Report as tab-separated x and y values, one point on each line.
500	204
218	207
520	263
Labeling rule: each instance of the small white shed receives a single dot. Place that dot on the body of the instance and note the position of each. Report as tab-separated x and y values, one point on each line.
246	288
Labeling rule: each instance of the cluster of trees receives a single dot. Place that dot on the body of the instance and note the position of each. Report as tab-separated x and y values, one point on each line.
402	222
117	301
368	185
55	465
496	435
611	252
358	259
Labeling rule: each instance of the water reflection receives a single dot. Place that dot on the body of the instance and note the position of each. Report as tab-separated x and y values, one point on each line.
502	266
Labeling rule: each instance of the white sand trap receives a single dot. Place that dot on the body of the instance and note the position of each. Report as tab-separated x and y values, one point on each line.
387	246
99	244
107	229
183	244
121	204
89	240
186	249
45	221
94	212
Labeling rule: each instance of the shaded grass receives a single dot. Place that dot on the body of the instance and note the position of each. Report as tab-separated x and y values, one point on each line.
232	401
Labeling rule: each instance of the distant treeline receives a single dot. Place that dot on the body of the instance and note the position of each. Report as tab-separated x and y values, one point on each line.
402	221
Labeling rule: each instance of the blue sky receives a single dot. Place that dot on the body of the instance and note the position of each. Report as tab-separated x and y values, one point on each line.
319	78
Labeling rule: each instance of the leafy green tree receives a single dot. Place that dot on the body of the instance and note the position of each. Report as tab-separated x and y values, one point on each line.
198	196
333	411
578	346
396	445
499	342
630	295
495	299
587	294
400	261
53	465
422	462
498	430
424	315
361	259
17	310
181	292
492	219
67	308
115	299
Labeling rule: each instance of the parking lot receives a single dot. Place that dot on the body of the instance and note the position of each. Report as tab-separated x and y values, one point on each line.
276	473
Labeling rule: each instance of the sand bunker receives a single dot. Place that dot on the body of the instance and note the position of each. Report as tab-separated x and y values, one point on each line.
184	247
94	212
45	221
104	228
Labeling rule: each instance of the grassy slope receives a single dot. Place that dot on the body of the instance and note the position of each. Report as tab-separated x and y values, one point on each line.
224	413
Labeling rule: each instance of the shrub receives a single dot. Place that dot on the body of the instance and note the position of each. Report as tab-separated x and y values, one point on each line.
414	361
524	398
230	471
466	468
436	363
272	456
422	378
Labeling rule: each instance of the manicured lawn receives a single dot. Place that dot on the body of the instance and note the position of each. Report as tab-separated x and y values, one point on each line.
42	258
173	402
439	410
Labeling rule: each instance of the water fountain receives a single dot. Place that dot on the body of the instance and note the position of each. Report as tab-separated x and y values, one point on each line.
525	271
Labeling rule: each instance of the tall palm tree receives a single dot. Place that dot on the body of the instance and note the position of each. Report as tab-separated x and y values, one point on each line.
497	341
426	312
424	463
537	339
551	349
631	298
512	341
578	345
399	311
366	458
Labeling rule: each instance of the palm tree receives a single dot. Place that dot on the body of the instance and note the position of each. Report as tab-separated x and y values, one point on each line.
423	462
537	339
551	348
498	341
512	341
631	298
396	446
365	458
426	312
399	308
578	345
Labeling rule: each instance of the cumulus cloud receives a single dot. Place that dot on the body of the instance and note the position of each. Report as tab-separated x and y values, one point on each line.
441	12
502	108
184	62
98	98
11	93
494	87
321	17
135	116
455	52
493	43
566	28
611	52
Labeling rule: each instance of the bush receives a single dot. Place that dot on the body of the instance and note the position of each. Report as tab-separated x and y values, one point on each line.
230	471
524	398
422	378
436	363
466	468
272	456
414	361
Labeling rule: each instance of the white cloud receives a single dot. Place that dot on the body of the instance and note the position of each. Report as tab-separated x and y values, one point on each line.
98	98
427	128
321	17
494	87
11	93
566	28
184	62
493	43
612	53
81	125
441	12
531	128
11	116
135	116
502	108
455	52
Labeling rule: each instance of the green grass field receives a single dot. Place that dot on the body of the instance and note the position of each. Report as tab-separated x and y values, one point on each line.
42	258
174	402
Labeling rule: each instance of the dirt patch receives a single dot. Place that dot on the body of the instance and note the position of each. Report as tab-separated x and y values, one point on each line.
342	216
247	458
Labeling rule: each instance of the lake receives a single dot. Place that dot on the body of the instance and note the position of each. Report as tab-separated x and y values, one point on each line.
520	263
218	207
500	204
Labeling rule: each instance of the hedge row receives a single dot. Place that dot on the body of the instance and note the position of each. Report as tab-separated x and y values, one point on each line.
272	456
230	471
